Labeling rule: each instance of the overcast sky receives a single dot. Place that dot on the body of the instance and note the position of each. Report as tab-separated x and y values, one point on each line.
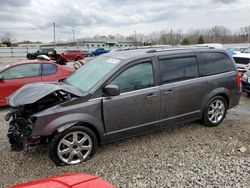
32	19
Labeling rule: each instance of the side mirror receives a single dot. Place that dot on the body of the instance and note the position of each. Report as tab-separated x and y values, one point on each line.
111	90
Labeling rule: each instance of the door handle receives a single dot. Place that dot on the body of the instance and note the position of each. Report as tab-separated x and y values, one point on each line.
168	92
152	95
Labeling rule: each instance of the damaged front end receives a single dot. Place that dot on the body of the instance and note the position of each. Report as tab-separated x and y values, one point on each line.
20	128
20	119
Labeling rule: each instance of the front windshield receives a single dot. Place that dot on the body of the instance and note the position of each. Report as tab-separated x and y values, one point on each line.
247	50
92	72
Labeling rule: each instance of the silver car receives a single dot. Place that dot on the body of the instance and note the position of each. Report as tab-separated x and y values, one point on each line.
120	95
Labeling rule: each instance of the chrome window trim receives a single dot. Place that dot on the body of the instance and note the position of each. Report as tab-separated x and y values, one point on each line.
129	92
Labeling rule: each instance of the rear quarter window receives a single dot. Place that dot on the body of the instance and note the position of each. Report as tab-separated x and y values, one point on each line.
48	69
214	63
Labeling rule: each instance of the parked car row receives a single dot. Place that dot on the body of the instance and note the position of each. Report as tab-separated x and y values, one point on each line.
67	54
241	57
123	94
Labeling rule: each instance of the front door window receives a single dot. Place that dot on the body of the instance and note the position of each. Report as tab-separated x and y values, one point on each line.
22	71
137	77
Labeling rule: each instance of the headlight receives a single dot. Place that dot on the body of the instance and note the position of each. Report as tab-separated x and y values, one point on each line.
248	79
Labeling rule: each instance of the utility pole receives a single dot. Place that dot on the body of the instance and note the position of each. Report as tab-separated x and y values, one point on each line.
249	34
171	31
54	30
73	35
135	39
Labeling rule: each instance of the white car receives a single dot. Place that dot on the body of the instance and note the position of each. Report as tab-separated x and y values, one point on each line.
242	60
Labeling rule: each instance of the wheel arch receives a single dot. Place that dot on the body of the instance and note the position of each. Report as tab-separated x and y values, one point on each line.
223	92
226	97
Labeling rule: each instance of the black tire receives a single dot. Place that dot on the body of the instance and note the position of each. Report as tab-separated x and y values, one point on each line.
78	58
54	144
207	117
29	56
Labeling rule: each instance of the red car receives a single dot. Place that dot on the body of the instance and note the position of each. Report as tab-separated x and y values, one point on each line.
14	76
67	181
73	54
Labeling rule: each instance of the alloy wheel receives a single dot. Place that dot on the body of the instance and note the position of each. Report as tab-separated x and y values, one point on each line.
216	111
74	147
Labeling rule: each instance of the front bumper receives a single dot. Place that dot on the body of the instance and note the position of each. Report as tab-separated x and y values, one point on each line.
16	139
245	86
19	131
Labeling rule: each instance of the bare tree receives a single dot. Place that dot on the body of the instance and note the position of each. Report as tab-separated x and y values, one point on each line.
7	38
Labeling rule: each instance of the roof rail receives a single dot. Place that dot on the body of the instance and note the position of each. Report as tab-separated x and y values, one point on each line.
178	48
144	47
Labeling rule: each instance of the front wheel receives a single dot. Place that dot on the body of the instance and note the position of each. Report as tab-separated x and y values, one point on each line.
215	111
72	146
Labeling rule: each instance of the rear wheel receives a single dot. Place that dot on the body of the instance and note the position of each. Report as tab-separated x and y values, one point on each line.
215	111
72	146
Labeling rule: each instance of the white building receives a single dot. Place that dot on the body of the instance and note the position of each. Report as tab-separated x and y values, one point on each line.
104	43
29	45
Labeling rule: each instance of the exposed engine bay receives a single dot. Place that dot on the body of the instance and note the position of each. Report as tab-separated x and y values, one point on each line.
21	120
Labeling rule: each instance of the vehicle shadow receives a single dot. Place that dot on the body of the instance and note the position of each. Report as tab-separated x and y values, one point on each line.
4	108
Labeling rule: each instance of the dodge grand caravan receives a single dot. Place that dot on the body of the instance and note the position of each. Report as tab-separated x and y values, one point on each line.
123	94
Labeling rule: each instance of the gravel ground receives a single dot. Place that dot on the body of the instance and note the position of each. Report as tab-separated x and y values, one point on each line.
188	156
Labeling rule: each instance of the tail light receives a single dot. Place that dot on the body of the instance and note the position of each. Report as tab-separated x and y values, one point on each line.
239	80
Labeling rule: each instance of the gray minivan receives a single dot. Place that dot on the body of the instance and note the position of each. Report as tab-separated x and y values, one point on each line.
123	94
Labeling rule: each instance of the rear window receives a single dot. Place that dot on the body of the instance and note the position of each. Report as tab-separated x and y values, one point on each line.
177	69
214	63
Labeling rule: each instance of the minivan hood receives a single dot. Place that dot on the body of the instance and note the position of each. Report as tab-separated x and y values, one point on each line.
30	93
